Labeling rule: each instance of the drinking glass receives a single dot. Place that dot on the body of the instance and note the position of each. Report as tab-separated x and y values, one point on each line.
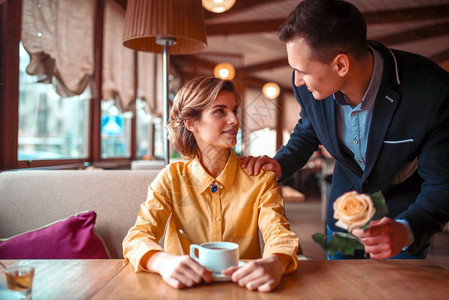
20	279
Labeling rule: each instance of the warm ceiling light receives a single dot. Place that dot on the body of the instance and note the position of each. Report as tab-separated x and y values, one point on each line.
271	90
218	6
224	71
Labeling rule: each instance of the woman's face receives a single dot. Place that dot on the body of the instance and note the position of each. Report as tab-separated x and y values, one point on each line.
218	125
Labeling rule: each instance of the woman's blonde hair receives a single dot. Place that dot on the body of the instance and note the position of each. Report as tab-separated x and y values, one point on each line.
188	104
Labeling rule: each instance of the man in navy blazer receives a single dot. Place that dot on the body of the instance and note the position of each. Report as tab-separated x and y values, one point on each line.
382	114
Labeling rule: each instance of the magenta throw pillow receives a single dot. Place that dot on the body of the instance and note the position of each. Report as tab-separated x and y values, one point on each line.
72	238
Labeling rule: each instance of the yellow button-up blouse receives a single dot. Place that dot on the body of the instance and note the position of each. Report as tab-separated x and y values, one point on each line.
241	205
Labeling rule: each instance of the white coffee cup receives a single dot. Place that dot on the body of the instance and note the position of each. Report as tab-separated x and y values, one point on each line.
216	256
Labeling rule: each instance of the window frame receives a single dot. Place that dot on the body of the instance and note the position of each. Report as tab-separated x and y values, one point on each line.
10	35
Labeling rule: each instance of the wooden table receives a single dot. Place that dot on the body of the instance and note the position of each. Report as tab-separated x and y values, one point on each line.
350	279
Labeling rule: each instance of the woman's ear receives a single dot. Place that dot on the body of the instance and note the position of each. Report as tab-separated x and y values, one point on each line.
190	125
341	64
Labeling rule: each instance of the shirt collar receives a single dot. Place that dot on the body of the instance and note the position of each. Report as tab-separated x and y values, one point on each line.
341	99
226	178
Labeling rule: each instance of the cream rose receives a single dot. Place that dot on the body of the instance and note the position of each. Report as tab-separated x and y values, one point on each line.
353	210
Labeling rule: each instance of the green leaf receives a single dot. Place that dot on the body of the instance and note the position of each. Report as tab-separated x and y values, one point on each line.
359	246
321	240
342	242
380	205
342	245
353	240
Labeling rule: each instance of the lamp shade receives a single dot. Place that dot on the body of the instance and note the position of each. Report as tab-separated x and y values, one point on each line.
179	20
271	90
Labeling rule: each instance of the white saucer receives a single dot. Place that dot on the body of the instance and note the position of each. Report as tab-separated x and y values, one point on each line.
223	278
10	295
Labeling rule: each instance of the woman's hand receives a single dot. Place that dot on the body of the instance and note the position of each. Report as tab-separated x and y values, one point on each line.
261	274
177	271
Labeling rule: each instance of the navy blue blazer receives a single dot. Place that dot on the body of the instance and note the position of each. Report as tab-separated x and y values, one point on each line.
407	155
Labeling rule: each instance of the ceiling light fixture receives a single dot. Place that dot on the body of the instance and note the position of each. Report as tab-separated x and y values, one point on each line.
271	90
224	70
218	6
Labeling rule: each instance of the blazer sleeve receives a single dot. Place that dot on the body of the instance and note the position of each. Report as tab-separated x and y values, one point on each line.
302	143
430	212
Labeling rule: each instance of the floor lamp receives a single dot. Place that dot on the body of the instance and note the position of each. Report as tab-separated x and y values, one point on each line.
167	27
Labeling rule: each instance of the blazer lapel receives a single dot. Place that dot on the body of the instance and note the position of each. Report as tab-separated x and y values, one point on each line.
384	108
387	101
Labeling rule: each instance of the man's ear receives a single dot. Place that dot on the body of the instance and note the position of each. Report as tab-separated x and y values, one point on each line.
190	125
341	64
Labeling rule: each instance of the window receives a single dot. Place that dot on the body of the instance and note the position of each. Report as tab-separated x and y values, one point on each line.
144	130
50	126
262	142
158	138
115	131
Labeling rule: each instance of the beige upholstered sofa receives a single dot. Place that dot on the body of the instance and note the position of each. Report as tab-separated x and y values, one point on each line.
32	199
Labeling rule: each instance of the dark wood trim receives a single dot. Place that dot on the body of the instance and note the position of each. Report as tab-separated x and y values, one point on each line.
95	105
56	163
114	163
2	85
11	12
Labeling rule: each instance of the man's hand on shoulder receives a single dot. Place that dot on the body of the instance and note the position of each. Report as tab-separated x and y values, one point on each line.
254	164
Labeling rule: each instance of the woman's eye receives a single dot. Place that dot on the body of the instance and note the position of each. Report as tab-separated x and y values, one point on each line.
219	111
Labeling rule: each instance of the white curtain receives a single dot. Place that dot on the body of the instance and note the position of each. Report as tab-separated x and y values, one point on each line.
59	36
149	81
118	61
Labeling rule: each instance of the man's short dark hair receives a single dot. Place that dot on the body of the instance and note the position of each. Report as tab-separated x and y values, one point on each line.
329	27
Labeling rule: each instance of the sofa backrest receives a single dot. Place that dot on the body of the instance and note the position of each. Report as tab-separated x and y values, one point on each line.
32	199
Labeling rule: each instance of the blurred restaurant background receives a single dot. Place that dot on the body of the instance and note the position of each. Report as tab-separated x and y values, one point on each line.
82	85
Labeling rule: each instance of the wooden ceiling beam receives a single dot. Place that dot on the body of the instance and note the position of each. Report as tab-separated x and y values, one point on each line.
243	27
238	7
273	64
415	34
192	60
440	57
379	17
407	14
394	39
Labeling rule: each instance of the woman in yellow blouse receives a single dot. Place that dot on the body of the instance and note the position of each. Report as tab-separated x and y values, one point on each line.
211	199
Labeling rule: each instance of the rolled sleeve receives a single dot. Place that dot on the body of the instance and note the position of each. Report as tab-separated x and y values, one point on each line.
275	227
144	236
